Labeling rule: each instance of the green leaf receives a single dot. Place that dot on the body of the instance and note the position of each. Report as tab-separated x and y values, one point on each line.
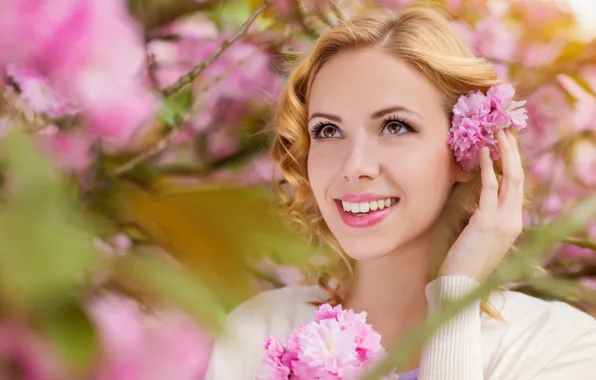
46	246
153	14
174	108
172	285
72	334
215	231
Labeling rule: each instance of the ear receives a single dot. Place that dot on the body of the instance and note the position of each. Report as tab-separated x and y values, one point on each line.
462	175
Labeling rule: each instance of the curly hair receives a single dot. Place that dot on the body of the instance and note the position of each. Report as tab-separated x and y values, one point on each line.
419	36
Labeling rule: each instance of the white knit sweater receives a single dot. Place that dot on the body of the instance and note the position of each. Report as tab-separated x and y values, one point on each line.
540	340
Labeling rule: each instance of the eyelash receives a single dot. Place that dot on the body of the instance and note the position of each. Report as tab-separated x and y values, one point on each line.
317	128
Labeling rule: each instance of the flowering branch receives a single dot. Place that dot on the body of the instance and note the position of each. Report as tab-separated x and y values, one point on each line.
189	77
159	147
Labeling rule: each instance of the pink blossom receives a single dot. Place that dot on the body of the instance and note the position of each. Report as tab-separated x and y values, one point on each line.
37	92
72	150
221	144
271	368
337	345
589	283
138	346
475	119
239	75
91	52
33	358
493	39
539	54
395	4
547	109
274	347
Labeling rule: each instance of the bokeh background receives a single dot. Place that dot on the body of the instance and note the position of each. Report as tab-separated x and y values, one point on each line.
135	183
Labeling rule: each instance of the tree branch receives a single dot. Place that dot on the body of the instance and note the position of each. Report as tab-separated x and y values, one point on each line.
189	77
159	147
302	19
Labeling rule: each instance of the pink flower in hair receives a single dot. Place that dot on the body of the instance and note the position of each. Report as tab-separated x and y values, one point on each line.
477	116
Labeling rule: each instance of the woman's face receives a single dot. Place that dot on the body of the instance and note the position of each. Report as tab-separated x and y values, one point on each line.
379	163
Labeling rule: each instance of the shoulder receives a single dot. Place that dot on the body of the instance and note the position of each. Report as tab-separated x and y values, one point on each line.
274	307
239	348
536	335
521	309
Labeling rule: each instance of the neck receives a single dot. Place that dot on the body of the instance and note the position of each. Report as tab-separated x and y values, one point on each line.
392	289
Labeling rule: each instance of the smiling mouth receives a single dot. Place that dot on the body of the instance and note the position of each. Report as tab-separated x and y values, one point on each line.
366	208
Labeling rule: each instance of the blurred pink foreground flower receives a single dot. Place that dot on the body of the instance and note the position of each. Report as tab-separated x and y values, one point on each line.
142	346
26	356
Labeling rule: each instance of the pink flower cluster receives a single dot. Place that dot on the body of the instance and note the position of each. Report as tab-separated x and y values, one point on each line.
338	345
477	116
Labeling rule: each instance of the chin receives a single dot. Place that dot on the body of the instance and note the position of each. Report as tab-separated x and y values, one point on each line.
367	249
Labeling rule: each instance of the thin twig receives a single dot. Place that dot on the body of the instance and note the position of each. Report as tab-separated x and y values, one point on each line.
582	243
303	20
189	77
164	142
159	147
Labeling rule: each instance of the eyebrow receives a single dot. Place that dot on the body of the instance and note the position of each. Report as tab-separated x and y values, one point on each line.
375	115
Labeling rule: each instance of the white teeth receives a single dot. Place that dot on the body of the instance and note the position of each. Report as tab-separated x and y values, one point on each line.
364	207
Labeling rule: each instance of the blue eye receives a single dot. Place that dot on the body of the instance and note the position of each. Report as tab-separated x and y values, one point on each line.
395	126
325	130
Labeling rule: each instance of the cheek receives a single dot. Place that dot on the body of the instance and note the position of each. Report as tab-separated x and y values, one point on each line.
320	169
426	174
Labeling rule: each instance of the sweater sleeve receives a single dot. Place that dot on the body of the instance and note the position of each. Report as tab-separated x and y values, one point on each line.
454	351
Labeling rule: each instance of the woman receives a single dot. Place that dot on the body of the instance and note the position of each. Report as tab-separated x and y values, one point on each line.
361	137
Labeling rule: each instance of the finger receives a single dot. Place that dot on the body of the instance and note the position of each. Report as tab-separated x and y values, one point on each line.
490	185
511	194
515	145
518	167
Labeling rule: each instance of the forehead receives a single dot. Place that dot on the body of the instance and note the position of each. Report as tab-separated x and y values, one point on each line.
366	80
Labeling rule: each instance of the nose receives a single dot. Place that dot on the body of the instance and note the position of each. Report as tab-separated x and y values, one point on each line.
361	162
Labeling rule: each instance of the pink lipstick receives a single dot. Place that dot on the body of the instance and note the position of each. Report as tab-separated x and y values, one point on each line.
365	210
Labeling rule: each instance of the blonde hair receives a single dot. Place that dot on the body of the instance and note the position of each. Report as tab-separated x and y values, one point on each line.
419	36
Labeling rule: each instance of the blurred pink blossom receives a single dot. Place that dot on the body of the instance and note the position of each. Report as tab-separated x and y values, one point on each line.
395	4
537	54
589	283
116	245
221	143
37	92
23	351
494	39
139	346
91	52
547	109
72	150
241	74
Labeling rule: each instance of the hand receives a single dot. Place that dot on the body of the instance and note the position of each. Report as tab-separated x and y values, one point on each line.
497	222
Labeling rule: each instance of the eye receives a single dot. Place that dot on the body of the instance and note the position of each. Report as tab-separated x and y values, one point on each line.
325	130
395	126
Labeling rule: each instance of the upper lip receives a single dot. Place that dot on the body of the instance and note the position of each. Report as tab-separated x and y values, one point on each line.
365	197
